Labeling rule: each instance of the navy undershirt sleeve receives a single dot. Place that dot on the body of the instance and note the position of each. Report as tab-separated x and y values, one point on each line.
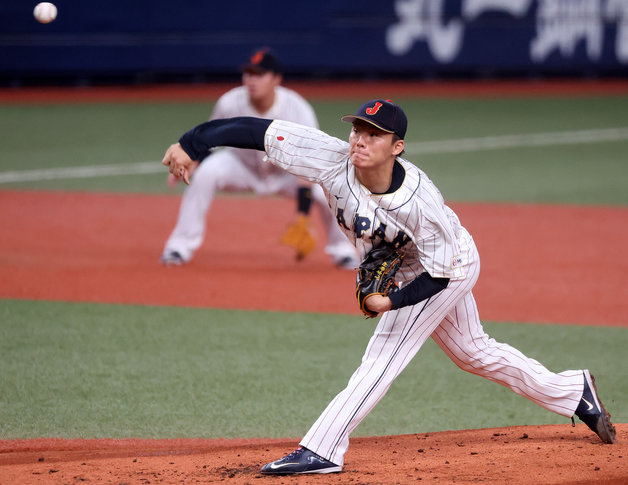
239	132
420	289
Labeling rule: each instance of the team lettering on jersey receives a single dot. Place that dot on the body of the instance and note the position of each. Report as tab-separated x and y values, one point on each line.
362	226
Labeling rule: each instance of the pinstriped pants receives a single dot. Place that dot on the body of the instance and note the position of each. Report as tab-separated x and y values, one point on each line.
451	318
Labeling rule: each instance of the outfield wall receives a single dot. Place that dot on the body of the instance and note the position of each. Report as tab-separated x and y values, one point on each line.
206	39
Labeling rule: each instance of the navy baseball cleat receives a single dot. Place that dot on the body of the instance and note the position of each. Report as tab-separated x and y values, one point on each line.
300	461
592	413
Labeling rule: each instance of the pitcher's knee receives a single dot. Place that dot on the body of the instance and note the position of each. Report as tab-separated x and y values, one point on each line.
472	357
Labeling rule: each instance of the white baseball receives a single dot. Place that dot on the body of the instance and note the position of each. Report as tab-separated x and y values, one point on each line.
45	12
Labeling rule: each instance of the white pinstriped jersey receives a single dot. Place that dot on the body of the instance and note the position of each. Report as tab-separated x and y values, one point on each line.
288	105
414	217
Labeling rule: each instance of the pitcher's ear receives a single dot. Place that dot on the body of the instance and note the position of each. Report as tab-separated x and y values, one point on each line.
398	147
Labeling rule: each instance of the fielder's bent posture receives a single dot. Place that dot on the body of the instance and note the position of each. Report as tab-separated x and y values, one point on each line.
378	197
261	95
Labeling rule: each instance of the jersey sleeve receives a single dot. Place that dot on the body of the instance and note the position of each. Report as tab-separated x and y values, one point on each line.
304	151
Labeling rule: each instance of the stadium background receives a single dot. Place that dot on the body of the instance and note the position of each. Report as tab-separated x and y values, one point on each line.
195	40
92	99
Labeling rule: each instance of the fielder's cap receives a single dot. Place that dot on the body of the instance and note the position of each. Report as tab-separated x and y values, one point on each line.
262	60
383	114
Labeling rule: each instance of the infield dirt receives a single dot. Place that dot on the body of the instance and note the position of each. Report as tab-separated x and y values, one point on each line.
536	260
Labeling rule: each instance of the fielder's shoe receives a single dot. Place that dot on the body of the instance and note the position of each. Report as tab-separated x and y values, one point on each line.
347	262
592	413
171	258
300	461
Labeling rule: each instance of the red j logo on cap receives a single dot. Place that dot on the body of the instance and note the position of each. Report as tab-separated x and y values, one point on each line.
374	109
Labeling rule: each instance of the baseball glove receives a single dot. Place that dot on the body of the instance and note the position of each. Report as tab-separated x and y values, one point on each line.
298	236
376	275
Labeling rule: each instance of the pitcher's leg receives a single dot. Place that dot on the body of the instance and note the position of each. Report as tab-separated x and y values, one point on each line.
381	363
466	343
397	338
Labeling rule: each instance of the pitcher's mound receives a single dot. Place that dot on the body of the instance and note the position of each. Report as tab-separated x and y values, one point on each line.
526	454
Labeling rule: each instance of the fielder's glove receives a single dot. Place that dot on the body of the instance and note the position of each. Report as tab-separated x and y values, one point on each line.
376	275
298	236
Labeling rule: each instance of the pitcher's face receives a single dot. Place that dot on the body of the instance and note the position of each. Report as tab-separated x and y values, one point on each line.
372	147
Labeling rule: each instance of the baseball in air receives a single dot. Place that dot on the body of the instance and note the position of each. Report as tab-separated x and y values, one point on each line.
45	12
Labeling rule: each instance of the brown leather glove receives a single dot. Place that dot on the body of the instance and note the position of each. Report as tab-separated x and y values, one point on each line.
376	275
299	236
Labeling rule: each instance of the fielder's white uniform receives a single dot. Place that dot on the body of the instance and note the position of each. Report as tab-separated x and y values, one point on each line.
432	239
244	170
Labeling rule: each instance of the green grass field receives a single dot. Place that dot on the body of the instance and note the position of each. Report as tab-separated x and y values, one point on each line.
38	137
82	370
98	371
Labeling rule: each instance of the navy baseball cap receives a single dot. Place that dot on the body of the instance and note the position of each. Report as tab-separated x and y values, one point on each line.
262	60
383	114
